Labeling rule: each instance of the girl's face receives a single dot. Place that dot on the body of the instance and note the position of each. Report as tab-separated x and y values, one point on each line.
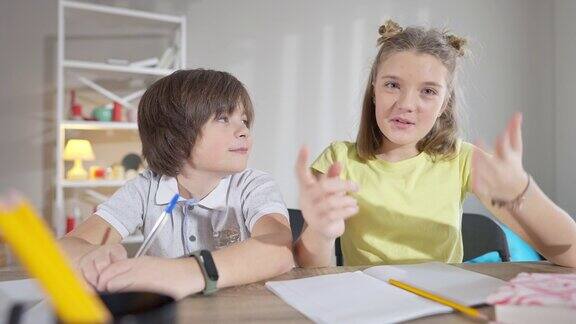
409	94
224	144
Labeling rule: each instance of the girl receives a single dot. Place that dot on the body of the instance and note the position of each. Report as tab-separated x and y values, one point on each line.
413	173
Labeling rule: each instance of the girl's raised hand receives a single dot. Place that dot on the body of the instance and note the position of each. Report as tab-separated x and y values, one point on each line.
500	175
324	201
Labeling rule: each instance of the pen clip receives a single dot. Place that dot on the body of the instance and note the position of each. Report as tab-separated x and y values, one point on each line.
157	226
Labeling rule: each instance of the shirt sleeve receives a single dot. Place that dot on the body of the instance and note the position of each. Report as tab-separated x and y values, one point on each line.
259	197
124	210
465	156
327	157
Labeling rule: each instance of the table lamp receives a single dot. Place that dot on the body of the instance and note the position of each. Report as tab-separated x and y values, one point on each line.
77	150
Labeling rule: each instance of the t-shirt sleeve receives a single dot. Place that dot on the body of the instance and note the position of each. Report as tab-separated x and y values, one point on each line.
259	197
125	208
328	157
465	156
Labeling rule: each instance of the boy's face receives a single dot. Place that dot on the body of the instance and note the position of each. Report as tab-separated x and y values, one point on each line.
409	93
224	144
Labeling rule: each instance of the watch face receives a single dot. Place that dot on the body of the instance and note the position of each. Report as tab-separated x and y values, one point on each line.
209	265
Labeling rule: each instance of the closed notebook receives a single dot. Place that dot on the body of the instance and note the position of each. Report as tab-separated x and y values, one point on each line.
536	298
366	297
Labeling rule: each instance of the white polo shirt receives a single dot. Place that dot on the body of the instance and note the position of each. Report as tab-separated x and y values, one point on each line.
224	217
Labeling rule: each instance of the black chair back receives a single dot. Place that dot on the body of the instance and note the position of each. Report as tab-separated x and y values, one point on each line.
296	225
480	235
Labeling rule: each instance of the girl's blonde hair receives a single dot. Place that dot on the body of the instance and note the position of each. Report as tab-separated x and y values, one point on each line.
447	48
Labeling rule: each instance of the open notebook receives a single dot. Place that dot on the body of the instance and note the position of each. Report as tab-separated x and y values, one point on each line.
366	297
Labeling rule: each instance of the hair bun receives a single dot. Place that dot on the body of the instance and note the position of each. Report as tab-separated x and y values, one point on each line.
388	30
458	43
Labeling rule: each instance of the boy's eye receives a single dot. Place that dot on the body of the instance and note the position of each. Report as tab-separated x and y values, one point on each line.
430	92
223	119
245	121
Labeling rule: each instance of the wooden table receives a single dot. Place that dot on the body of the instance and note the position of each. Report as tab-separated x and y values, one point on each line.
254	303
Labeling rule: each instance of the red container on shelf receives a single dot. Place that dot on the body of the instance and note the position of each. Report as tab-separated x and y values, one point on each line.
75	108
117	112
70	223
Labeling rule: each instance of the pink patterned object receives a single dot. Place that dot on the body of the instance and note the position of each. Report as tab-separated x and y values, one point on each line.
537	289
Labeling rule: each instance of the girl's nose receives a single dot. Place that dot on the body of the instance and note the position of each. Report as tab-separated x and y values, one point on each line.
407	101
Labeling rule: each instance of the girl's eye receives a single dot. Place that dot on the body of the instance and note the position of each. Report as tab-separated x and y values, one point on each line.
430	92
391	85
223	119
245	121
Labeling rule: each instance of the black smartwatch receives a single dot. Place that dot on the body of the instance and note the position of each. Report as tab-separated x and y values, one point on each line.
209	271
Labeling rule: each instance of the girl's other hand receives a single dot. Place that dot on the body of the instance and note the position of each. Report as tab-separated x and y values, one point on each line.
324	201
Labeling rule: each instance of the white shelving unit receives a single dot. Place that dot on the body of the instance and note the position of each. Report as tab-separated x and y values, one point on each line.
92	125
67	10
92	183
114	68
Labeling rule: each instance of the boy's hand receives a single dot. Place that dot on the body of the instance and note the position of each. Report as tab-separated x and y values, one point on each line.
94	262
500	175
325	202
174	277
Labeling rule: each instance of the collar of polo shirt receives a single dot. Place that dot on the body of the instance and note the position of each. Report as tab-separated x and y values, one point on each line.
216	199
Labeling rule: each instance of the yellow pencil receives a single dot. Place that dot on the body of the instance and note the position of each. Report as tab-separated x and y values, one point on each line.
468	311
31	241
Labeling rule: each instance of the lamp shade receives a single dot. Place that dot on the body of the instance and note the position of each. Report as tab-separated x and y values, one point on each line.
78	149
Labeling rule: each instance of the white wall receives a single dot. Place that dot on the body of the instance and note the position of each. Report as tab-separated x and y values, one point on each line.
27	65
565	83
305	64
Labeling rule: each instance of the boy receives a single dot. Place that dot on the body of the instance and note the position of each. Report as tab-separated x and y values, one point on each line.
195	131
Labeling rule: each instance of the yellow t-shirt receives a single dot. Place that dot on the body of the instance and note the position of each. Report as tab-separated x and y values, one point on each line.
409	211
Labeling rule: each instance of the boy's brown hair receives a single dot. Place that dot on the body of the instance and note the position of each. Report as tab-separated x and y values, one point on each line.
440	142
174	109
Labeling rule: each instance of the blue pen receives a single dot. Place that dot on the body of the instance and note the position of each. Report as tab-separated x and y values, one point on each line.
159	223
